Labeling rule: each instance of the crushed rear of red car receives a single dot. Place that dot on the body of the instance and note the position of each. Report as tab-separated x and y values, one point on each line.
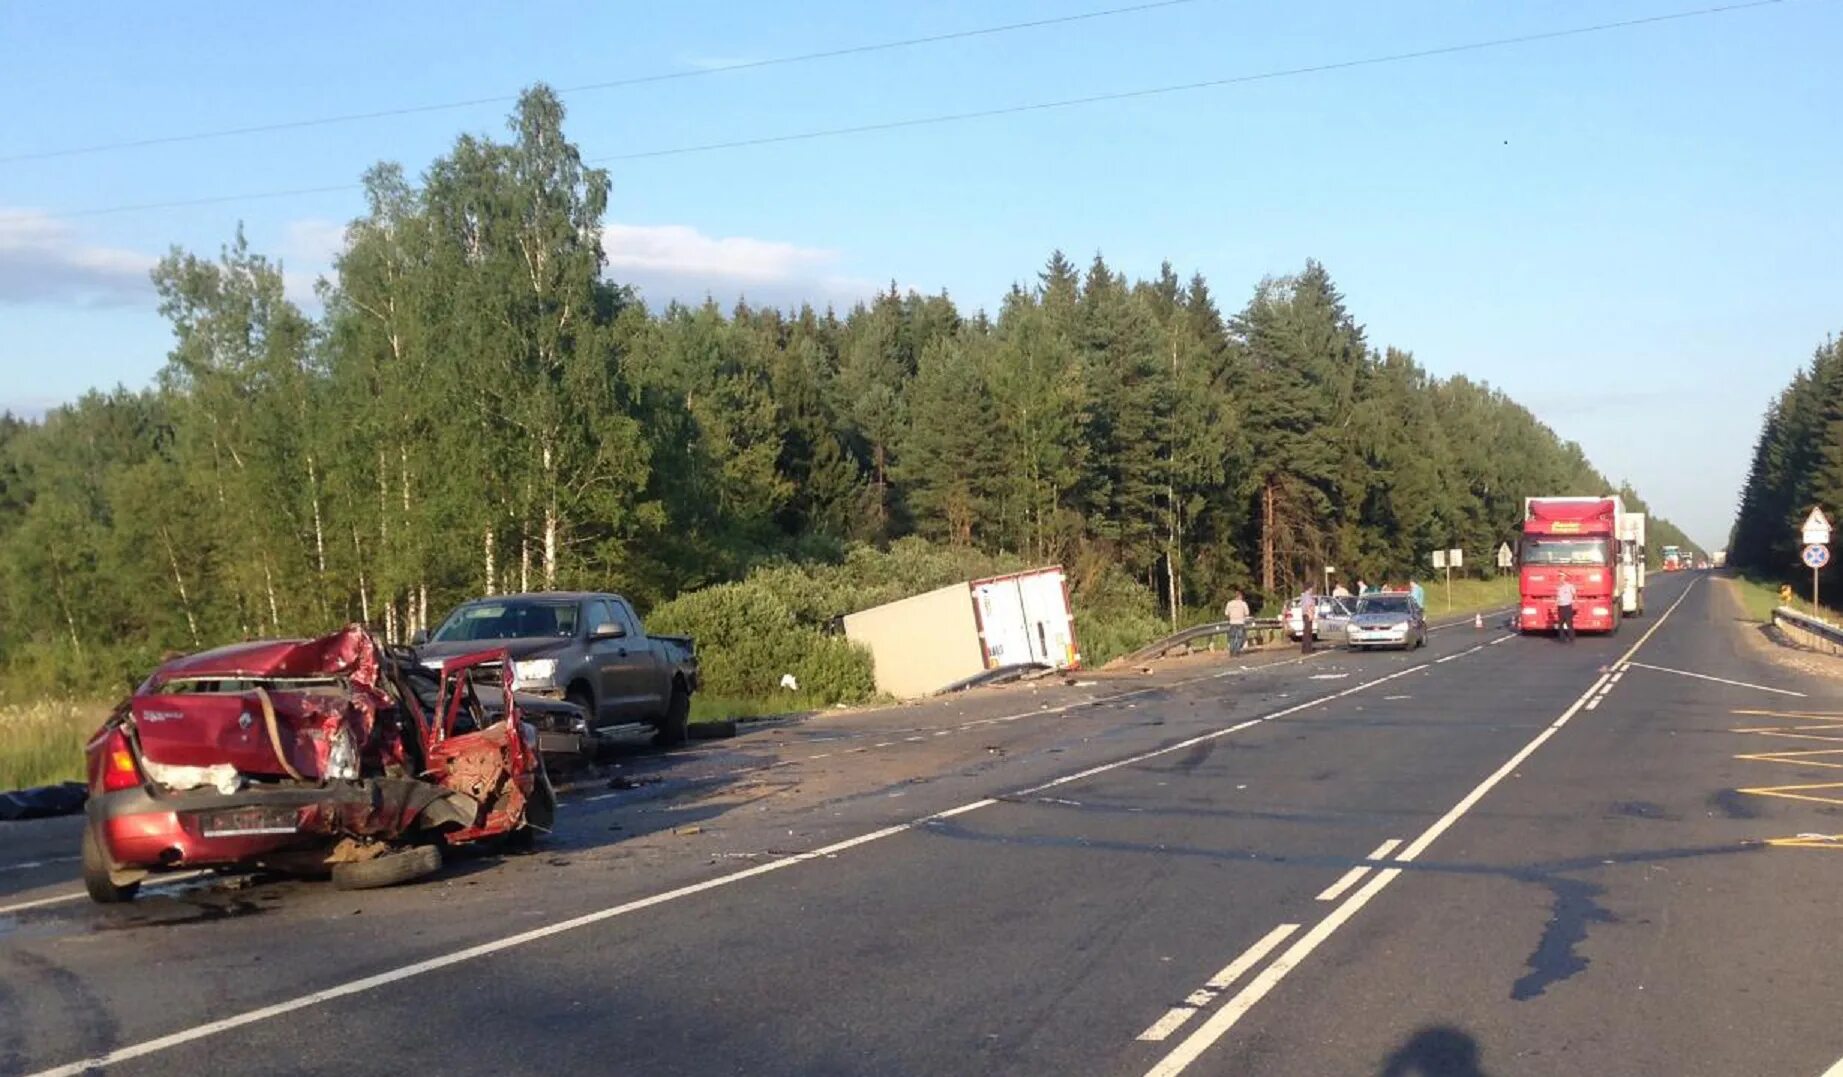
336	755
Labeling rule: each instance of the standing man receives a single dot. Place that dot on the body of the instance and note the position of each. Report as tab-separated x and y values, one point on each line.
1362	588
1340	591
1419	592
1308	614
1564	609
1237	613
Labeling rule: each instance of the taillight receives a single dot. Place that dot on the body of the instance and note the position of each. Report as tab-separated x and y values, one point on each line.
118	769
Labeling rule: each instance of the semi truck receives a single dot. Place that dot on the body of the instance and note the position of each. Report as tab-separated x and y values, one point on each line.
1673	559
1592	542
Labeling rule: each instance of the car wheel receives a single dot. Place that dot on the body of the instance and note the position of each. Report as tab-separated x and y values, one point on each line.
99	875
675	727
396	866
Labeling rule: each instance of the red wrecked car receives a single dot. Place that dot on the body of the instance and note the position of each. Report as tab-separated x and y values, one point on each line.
307	755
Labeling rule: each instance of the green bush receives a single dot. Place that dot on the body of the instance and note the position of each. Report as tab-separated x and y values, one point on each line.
748	638
1114	614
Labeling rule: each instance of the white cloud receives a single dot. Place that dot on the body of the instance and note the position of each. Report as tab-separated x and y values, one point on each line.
42	259
675	261
307	252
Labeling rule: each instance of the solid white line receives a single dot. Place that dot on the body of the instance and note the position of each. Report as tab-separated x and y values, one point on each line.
1836	1069
1443	661
359	986
1175	1017
1349	879
1224	1019
1717	680
76	895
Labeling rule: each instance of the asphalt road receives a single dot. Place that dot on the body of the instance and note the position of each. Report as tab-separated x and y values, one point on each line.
1494	856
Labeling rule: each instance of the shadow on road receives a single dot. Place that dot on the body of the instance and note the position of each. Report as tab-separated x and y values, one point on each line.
1437	1051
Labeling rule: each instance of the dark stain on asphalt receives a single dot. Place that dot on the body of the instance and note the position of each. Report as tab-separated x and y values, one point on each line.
1557	956
204	909
1735	804
1641	809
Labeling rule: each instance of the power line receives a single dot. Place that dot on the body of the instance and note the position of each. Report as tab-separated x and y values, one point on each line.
1184	87
588	87
1038	106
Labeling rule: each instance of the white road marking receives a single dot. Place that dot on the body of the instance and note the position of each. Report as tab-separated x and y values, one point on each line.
1224	1019
1836	1069
27	865
1350	878
1175	1017
58	899
485	949
1717	680
1443	661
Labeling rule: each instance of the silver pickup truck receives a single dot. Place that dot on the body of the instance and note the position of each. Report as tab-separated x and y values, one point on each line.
586	648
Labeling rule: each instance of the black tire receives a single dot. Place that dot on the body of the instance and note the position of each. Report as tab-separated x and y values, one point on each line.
580	696
99	873
675	726
397	866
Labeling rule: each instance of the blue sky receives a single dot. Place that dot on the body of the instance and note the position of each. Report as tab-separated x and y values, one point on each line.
1632	232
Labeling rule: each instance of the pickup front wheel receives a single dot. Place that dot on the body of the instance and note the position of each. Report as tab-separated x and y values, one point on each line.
675	727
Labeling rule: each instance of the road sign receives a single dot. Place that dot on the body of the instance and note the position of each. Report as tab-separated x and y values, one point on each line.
1503	556
1455	558
1816	529
1439	559
1816	555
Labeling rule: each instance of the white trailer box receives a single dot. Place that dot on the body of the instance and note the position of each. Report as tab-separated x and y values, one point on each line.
926	642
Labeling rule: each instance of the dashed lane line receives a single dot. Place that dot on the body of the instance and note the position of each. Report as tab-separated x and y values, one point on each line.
1219	1023
1355	875
1175	1017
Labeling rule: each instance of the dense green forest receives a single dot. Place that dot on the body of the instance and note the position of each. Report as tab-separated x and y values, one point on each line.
1797	465
479	409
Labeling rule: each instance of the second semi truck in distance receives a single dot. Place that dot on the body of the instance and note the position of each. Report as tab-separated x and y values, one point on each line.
1597	545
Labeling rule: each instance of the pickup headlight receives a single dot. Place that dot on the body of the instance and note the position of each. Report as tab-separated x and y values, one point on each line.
534	673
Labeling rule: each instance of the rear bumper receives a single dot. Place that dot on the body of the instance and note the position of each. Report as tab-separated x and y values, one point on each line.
143	829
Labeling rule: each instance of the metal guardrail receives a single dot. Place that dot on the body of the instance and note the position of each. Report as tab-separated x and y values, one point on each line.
1809	631
1158	648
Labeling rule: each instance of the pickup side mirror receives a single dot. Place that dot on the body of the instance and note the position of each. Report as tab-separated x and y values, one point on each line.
607	630
419	637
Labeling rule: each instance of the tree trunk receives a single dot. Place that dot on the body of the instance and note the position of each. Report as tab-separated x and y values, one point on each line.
313	495
179	581
1267	526
524	558
364	588
390	622
487	543
550	520
70	621
268	583
422	607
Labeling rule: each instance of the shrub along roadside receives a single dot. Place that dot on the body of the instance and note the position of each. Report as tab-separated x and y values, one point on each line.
42	743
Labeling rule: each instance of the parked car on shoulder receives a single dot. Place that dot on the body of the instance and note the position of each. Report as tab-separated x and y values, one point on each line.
587	649
1388	619
1333	616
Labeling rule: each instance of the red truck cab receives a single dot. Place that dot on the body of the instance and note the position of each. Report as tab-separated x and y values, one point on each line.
1576	538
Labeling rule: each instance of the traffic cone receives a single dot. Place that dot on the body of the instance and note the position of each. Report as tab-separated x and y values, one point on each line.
1478	620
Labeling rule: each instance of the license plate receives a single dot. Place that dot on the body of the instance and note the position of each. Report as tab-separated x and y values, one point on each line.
247	822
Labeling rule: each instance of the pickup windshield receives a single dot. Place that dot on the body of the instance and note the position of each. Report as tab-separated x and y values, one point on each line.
509	620
1565	551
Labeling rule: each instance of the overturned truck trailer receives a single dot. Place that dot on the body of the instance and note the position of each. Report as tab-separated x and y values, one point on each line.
927	642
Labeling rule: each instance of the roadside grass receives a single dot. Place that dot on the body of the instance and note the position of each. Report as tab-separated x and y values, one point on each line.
1760	597
42	743
1469	595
